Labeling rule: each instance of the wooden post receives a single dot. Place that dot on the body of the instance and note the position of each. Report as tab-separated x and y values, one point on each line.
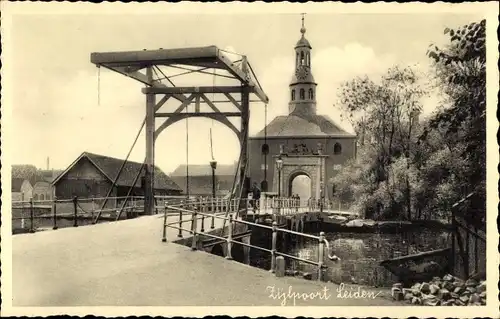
202	210
453	238
75	217
54	212
150	130
245	117
320	253
212	225
194	229
273	247
229	237
180	221
280	266
164	238
32	213
92	209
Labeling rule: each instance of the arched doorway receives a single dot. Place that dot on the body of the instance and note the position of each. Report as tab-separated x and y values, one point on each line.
300	184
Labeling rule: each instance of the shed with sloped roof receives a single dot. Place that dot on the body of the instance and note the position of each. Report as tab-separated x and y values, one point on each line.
92	175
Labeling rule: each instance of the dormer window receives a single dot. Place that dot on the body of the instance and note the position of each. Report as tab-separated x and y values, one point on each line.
302	94
293	95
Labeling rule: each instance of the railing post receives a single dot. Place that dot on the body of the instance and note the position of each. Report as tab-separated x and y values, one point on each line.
229	238
212	224
320	255
75	203
273	247
194	229
180	221
202	210
32	213
92	209
164	238
54	212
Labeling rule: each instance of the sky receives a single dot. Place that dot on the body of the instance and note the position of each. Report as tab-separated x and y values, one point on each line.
62	106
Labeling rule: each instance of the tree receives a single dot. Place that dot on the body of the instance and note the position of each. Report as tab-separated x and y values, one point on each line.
385	112
460	72
421	168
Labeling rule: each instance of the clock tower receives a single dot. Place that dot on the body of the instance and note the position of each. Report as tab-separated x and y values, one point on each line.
302	87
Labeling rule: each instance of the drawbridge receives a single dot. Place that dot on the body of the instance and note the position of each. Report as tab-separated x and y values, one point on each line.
153	69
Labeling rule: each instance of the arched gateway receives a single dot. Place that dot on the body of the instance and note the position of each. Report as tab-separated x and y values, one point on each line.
313	166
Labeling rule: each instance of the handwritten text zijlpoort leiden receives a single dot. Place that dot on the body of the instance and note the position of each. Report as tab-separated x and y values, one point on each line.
323	294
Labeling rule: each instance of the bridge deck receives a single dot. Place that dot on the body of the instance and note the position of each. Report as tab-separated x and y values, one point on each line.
126	264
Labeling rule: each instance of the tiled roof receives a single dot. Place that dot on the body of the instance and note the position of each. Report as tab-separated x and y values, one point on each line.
50	175
303	125
111	166
204	170
16	184
34	175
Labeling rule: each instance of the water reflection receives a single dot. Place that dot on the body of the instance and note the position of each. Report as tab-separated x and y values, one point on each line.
360	254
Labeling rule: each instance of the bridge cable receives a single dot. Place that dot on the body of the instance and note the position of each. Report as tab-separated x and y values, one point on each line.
187	155
136	178
265	143
213	99
119	172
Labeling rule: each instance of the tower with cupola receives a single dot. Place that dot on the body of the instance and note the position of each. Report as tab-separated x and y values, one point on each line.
303	86
307	143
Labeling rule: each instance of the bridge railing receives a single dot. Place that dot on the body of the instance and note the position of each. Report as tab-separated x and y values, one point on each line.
36	215
290	206
199	214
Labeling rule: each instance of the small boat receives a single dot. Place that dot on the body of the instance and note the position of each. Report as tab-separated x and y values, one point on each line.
420	266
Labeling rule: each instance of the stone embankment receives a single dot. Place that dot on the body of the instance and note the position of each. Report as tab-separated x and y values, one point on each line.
446	291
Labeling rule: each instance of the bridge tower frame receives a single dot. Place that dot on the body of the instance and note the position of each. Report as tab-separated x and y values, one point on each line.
131	64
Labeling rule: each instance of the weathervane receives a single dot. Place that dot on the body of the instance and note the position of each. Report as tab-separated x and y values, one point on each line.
303	29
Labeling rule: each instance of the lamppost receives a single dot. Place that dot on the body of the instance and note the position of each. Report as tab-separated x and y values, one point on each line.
321	182
279	166
213	165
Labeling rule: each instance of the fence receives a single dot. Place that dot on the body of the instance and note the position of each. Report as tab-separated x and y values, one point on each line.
291	206
468	241
196	215
36	215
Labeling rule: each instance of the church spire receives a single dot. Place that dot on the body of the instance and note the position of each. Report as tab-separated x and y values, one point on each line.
302	86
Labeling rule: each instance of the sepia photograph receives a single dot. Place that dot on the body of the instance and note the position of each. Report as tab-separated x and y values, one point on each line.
258	157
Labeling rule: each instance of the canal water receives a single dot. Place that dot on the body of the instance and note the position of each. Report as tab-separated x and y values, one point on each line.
360	254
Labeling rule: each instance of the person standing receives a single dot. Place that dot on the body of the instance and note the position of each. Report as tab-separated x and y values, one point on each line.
256	196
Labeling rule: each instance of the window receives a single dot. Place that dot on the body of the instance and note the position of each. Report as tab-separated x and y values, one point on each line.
337	149
35	197
301	58
302	94
308	59
311	94
42	197
297	58
293	95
